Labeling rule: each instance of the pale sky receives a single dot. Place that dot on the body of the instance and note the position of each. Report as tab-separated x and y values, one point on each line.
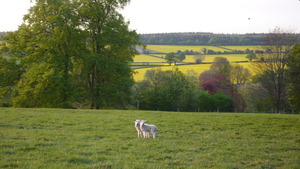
161	16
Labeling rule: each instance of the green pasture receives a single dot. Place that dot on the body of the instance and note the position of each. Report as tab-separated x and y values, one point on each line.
56	138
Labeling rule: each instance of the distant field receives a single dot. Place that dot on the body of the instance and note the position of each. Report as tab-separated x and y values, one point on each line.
230	57
147	58
139	75
147	61
57	138
152	61
197	68
172	48
190	58
243	48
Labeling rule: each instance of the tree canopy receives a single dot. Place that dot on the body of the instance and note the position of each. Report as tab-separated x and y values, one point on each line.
293	74
71	53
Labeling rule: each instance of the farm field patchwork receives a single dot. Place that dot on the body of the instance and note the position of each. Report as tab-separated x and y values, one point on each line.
148	61
197	68
56	138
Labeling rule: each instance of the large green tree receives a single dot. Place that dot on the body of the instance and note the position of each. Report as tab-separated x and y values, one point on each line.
174	57
46	46
10	73
221	65
111	46
164	90
271	73
73	53
294	77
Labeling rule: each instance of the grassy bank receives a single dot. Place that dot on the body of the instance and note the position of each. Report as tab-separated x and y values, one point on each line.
55	138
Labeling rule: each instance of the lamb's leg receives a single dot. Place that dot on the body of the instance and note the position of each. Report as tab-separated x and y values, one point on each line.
154	134
146	134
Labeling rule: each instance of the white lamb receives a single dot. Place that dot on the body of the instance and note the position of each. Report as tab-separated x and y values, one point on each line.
137	127
146	129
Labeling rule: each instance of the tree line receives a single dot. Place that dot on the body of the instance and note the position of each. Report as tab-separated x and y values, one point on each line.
212	90
204	38
227	87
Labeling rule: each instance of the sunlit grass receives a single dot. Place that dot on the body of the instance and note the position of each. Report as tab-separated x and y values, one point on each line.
56	138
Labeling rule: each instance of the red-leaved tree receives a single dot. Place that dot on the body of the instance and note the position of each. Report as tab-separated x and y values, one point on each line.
214	82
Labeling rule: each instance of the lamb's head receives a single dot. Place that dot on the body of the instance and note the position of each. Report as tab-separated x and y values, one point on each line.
137	122
142	122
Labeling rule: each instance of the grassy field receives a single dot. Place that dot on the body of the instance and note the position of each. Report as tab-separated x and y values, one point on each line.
55	138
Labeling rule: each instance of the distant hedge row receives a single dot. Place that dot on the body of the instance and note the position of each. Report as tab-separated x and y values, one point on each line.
200	38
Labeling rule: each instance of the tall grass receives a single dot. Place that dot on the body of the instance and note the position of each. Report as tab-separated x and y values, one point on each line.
55	138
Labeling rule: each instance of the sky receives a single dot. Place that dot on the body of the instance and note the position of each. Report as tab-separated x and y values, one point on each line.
162	16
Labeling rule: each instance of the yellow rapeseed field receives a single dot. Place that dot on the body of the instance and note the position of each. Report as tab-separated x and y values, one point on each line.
147	58
139	73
